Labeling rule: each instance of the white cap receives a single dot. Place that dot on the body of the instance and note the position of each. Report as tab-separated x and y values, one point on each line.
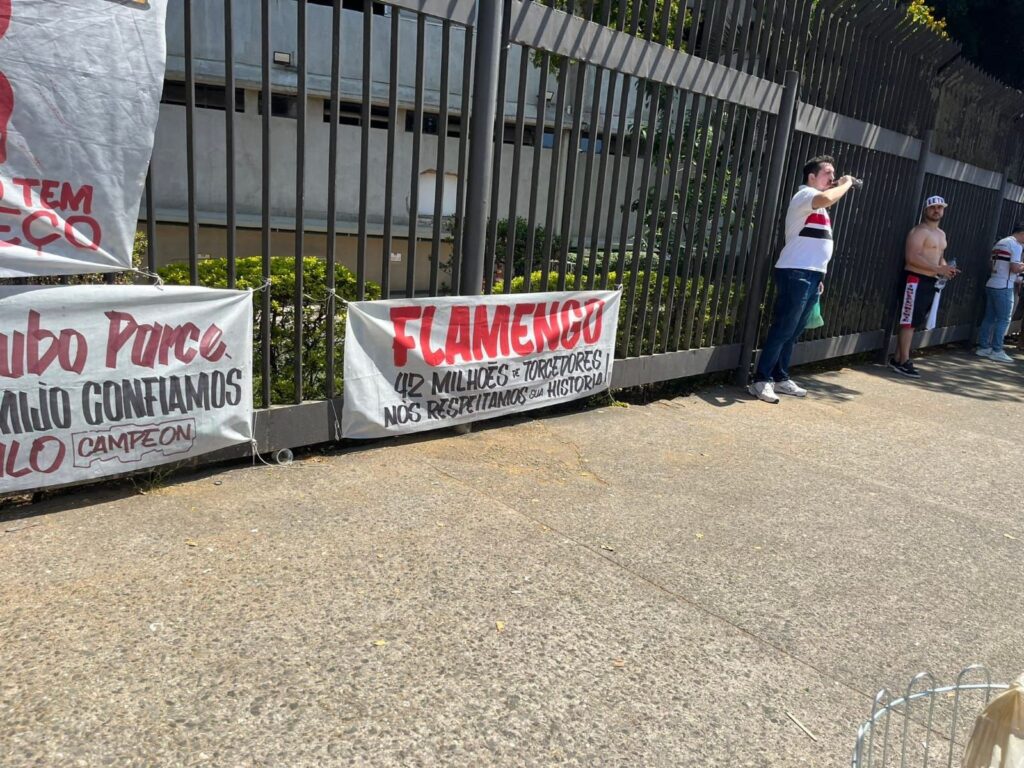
934	200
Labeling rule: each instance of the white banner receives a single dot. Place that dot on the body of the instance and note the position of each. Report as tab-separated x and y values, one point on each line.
80	84
101	380
413	365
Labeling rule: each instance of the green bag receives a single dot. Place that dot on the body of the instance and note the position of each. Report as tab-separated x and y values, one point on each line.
815	320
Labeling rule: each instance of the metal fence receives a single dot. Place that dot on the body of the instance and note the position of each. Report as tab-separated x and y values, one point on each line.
329	150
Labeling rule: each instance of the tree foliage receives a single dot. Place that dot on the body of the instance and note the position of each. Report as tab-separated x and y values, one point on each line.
990	32
924	14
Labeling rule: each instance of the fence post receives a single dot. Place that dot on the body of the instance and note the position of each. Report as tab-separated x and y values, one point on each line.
481	145
913	219
997	213
766	236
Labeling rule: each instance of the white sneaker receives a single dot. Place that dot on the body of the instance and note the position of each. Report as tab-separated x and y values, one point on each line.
763	390
789	387
983	351
1001	357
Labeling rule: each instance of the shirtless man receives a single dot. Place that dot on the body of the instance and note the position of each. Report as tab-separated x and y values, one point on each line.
924	264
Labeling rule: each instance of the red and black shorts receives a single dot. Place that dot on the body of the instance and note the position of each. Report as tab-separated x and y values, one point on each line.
916	300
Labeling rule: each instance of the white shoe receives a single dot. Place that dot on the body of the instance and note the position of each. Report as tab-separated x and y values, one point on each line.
1001	357
763	390
983	351
789	387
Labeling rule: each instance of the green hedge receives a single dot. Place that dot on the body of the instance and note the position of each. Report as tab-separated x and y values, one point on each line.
213	273
681	300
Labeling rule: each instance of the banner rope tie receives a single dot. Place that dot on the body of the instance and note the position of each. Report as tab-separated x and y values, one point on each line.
256	454
152	275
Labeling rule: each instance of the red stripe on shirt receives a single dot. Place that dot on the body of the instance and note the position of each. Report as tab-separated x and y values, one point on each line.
818	218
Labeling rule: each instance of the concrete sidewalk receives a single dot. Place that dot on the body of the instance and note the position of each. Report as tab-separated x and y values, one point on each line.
640	586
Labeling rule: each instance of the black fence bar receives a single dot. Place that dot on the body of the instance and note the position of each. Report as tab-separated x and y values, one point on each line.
715	26
778	43
688	297
538	143
512	232
627	200
442	144
414	170
762	37
667	145
712	206
485	96
460	202
653	92
872	249
389	163
693	39
229	142
848	232
555	173
747	183
491	241
569	186
602	172
846	244
586	257
891	244
332	194
190	150
150	224
692	107
364	156
300	197
741	148
663	24
834	76
265	179
740	43
613	194
752	205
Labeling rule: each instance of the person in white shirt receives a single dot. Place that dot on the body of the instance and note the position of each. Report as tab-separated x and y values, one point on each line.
798	275
1006	266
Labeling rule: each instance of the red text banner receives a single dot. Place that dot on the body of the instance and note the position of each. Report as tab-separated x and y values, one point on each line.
102	380
80	84
414	365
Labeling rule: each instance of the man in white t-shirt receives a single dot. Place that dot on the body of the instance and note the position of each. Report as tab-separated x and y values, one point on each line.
798	275
1006	266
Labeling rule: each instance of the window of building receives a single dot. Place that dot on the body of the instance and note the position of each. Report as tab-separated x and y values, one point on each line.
351	113
281	105
431	123
585	144
377	9
600	145
529	134
207	96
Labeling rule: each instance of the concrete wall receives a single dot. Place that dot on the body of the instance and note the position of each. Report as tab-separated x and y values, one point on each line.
169	158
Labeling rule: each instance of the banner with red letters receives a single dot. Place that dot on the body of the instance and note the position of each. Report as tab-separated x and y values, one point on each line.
80	85
101	380
414	365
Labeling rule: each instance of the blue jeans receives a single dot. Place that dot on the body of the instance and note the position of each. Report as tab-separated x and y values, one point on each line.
796	290
998	308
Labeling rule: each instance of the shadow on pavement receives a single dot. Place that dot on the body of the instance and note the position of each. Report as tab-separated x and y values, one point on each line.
965	374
